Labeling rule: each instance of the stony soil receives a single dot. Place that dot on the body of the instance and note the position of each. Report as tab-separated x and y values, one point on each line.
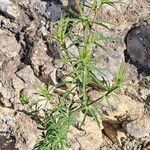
26	59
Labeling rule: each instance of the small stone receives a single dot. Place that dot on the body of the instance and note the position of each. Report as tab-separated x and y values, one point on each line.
72	48
64	2
43	31
145	93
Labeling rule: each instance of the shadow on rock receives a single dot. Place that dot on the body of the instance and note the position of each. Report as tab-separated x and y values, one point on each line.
137	43
7	143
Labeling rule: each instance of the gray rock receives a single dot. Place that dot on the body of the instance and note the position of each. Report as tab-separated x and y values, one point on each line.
48	9
138	128
71	47
30	81
108	62
43	29
5	121
10	91
138	45
9	9
54	12
9	45
6	118
145	93
7	142
33	5
5	22
106	75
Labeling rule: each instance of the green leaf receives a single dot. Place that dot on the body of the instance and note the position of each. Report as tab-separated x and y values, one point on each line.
121	74
24	98
95	114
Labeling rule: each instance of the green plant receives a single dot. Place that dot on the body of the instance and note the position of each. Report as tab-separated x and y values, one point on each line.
24	98
75	99
56	123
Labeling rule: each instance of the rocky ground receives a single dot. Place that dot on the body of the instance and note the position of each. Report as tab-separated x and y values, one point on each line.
26	59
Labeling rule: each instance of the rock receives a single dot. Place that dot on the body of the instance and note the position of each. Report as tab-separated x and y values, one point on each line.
121	108
19	125
89	138
32	88
93	136
38	5
108	63
27	75
64	2
41	63
72	48
30	80
6	117
138	128
9	45
106	75
74	4
138	45
6	95
130	114
145	93
9	9
54	12
48	9
18	85
7	142
25	131
3	58
7	77
43	29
